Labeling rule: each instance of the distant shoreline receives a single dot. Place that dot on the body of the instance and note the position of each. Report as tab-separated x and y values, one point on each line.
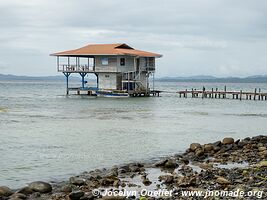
200	79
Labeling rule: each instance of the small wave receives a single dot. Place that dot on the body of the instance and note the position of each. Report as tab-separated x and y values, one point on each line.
3	109
196	113
248	115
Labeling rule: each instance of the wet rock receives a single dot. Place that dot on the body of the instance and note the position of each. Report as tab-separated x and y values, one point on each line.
199	152
116	183
76	195
146	182
160	163
35	195
170	164
106	181
18	196
113	198
88	196
217	144
228	140
205	166
222	181
186	181
184	161
66	189
194	146
124	169
208	147
167	179
263	163
5	191
262	148
25	190
77	181
40	186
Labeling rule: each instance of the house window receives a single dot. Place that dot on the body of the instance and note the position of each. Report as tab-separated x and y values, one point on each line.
107	76
104	61
150	61
122	61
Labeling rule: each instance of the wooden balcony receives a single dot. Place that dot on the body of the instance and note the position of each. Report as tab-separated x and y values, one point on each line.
85	68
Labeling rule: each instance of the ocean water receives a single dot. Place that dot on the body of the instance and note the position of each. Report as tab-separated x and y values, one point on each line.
45	135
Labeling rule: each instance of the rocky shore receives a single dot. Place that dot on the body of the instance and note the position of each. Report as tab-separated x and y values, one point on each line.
221	170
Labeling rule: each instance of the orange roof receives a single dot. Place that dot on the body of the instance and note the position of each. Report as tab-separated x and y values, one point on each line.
106	49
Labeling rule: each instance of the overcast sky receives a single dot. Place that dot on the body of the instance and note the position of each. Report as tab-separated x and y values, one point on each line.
211	37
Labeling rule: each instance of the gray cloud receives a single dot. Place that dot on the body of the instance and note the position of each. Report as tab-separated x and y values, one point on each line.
217	37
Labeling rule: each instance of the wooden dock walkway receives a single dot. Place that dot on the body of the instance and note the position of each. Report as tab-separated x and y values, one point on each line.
224	94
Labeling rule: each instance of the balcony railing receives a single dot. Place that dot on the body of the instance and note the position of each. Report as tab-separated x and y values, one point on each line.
75	68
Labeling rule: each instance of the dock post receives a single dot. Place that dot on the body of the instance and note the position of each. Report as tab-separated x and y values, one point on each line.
255	93
259	97
193	93
212	93
203	92
240	95
185	93
224	95
216	93
67	74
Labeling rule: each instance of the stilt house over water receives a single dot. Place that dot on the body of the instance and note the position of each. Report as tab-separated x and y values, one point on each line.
119	68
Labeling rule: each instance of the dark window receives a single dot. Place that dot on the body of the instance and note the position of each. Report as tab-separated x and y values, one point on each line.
150	61
122	61
107	76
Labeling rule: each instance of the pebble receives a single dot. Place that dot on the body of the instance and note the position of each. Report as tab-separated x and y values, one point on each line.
222	181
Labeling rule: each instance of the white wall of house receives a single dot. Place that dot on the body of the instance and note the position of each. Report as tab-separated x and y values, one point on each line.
107	81
111	65
129	64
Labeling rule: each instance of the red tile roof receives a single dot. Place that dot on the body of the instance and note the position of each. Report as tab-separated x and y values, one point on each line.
106	49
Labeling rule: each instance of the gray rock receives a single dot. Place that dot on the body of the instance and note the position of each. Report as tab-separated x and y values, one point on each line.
77	181
26	190
5	191
208	147
66	189
228	140
199	152
160	163
194	146
167	179
170	164
222	181
18	196
40	186
76	195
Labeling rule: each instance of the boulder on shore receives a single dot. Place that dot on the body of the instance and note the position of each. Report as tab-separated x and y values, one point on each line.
5	191
40	186
194	146
228	140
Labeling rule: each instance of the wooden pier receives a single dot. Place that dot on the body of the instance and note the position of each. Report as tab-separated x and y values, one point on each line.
92	91
223	94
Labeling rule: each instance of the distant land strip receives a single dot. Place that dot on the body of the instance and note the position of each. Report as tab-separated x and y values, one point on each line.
206	79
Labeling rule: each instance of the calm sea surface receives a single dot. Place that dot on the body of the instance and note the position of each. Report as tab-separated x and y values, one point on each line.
45	135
